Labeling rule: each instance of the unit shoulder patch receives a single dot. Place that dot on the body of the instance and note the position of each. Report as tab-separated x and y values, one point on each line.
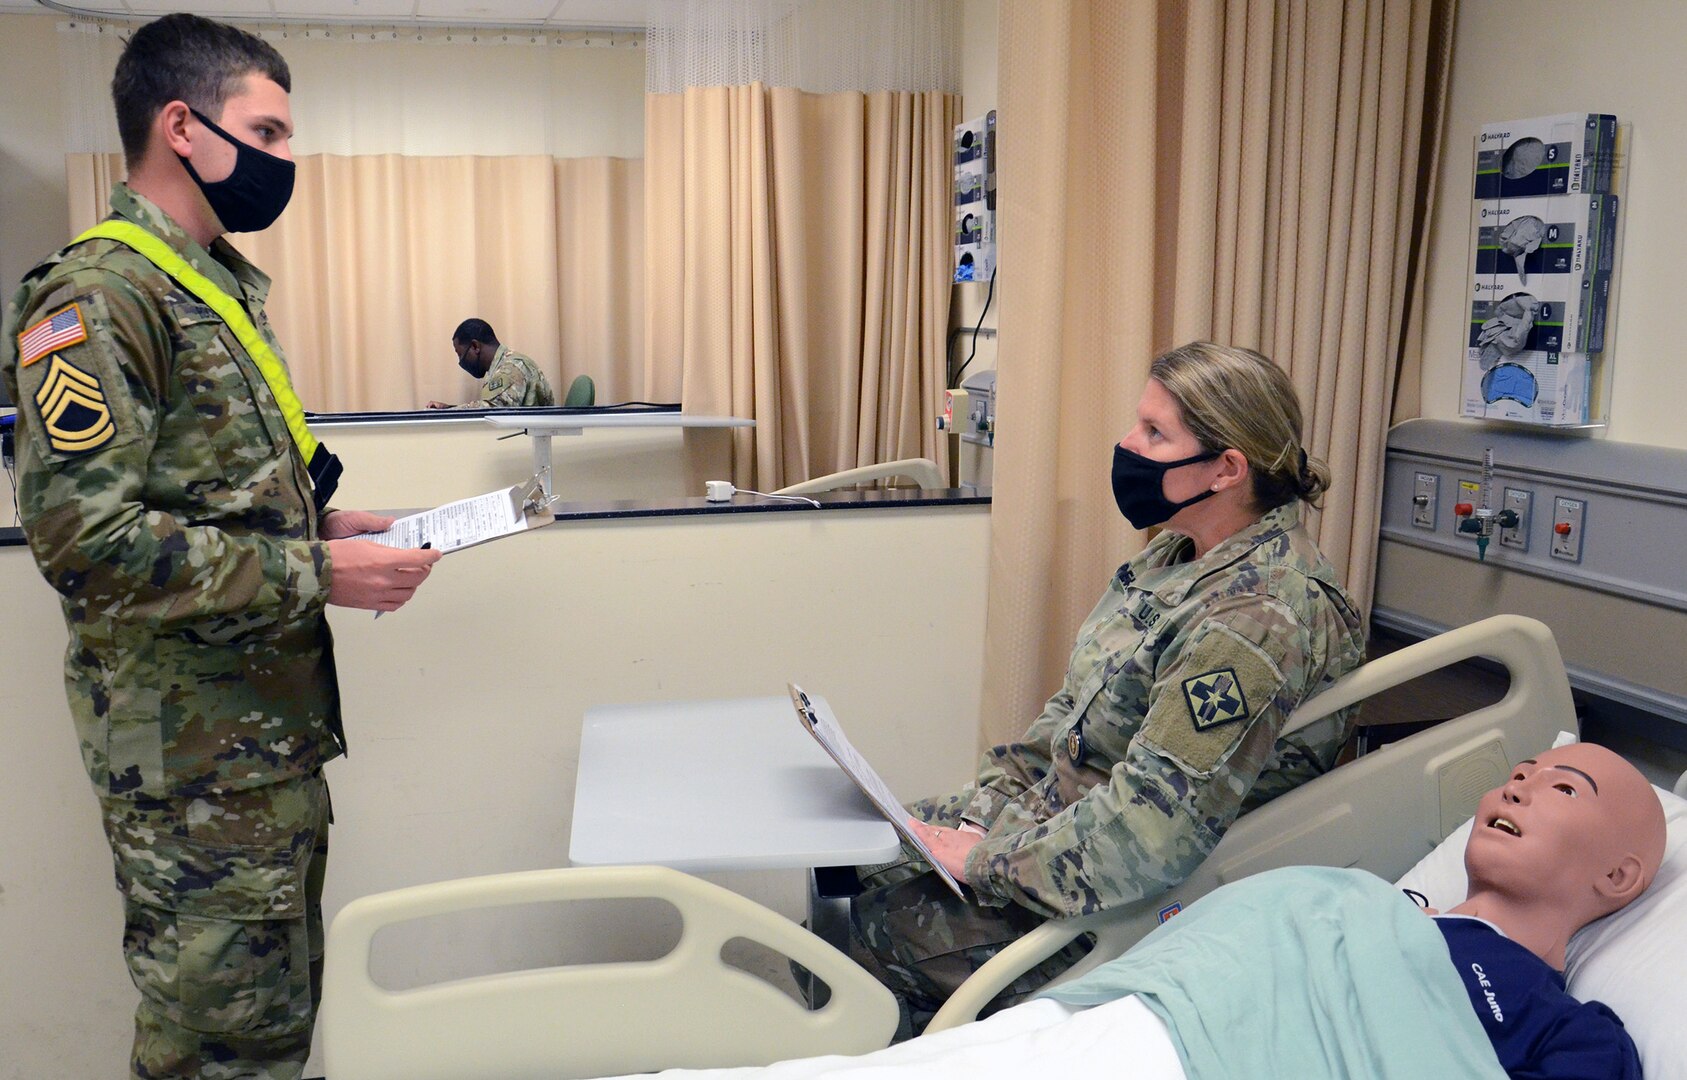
1200	715
1215	698
73	410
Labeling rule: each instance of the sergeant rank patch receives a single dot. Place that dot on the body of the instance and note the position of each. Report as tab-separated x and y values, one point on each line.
73	408
1214	699
62	329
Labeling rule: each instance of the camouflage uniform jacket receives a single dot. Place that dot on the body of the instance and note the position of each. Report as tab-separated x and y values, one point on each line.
512	380
1166	727
164	500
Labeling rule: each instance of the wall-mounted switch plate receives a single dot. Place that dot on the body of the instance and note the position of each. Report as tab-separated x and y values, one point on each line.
1517	501
1569	518
1424	492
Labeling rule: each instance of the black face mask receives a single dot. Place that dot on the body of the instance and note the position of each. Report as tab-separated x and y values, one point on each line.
252	196
471	367
1139	486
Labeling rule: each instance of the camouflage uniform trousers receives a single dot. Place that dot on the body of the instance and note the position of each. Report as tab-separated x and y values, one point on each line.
919	939
222	903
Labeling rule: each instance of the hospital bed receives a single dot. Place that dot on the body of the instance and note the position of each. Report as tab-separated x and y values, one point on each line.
1388	812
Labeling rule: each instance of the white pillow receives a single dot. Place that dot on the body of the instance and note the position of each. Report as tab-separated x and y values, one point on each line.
1634	960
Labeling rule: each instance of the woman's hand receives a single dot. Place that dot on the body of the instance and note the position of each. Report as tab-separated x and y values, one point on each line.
948	846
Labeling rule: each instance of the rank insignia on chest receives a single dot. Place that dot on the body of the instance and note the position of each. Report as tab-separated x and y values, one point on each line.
1214	699
1075	743
73	408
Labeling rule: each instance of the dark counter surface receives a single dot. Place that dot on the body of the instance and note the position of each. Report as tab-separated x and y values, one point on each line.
739	504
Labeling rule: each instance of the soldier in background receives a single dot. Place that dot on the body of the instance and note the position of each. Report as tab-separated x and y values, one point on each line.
1165	729
182	519
512	379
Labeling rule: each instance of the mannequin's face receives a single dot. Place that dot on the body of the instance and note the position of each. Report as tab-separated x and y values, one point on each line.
1572	825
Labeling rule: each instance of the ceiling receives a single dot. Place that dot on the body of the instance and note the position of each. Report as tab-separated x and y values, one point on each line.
558	14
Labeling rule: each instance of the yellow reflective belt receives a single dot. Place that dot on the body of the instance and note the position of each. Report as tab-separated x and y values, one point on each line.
229	310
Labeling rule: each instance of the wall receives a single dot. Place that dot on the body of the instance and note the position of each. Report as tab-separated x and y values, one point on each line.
973	462
463	713
978	96
32	185
406	466
429	463
1621	58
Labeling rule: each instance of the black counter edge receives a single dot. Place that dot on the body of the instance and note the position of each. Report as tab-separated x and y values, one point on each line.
739	504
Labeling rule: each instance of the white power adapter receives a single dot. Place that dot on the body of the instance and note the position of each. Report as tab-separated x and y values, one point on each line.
717	491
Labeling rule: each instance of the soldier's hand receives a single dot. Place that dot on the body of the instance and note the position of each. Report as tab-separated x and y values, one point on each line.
340	524
948	846
376	577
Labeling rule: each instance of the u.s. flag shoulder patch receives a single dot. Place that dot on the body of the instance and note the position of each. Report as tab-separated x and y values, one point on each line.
60	330
73	409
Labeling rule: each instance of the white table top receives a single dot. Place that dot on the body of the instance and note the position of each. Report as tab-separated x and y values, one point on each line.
717	785
574	423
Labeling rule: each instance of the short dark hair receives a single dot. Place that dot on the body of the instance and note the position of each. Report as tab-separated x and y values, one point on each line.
474	330
184	57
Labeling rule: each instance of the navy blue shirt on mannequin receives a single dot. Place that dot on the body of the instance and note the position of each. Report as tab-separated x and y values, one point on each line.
1538	1030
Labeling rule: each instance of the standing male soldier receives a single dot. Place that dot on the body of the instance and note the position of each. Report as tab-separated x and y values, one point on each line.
512	378
166	485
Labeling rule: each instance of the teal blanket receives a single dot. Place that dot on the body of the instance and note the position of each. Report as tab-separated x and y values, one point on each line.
1302	972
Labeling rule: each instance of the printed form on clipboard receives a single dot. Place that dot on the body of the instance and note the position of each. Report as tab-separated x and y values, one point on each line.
816	716
467	522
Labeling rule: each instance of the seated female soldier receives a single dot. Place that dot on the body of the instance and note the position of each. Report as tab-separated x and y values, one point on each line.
1166	727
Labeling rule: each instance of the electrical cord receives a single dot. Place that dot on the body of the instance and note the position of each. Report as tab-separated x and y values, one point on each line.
955	379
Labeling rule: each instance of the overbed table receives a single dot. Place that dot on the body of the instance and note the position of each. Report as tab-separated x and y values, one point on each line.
717	785
722	785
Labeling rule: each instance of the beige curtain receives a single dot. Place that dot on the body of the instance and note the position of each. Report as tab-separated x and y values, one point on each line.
379	257
1247	171
798	270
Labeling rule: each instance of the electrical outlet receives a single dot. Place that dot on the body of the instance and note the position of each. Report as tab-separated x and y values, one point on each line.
1569	518
1518	502
1424	492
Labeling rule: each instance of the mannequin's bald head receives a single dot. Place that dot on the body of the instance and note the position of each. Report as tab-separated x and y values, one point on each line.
1575	834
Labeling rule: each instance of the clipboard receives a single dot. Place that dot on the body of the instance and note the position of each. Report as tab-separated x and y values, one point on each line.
817	719
470	522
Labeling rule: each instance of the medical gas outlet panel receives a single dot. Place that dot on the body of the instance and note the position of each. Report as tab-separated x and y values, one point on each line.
1480	518
1588	512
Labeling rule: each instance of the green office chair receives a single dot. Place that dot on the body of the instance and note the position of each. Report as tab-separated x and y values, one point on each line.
582	393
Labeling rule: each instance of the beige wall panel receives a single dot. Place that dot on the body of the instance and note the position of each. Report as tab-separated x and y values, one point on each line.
1607	634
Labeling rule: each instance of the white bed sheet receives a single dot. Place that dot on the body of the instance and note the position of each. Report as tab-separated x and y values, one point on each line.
1123	1039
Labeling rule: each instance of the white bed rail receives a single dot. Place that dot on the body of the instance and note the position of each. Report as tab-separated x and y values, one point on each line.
1382	813
685	1009
923	471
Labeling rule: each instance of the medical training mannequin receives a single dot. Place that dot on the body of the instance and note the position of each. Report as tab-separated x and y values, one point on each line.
1164	728
1573	835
